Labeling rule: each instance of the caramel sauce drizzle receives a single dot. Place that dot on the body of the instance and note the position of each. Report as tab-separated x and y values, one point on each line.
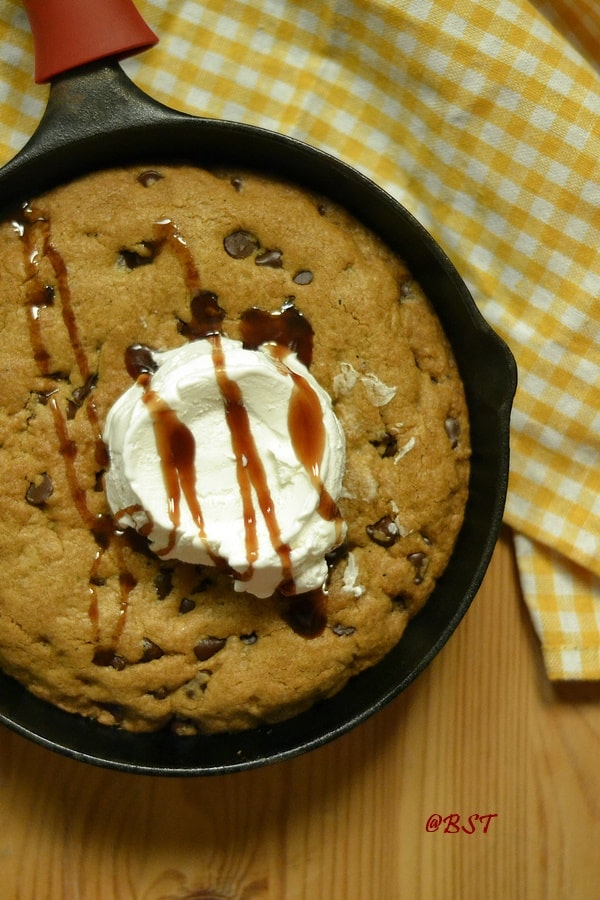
305	423
177	451
249	468
34	229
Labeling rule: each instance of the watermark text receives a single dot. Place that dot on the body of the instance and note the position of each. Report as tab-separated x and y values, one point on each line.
455	823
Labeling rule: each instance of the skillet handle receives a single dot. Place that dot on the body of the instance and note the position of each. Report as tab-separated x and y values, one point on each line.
70	33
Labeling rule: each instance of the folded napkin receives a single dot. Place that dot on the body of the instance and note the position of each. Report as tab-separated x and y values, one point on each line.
483	118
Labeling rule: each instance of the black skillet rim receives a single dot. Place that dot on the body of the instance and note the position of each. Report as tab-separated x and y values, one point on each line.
489	373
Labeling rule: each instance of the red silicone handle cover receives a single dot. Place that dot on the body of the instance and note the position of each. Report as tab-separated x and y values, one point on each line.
70	33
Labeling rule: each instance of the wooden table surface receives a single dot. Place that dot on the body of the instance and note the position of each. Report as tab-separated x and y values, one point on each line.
480	781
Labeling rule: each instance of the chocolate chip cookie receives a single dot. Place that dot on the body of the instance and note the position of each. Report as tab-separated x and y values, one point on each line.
98	270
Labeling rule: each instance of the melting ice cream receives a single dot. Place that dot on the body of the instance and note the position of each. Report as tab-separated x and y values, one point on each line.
231	457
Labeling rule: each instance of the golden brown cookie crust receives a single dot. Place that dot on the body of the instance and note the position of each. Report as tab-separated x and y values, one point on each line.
97	625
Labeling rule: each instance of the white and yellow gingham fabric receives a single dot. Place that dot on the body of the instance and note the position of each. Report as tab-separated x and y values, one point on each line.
483	118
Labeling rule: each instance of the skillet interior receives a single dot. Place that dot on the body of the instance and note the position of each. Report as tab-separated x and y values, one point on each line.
96	119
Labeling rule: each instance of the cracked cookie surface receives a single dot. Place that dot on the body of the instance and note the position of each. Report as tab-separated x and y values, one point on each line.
89	619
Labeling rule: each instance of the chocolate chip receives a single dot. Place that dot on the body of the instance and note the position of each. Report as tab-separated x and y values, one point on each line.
163	583
416	558
240	244
149	177
37	494
43	296
143	256
249	638
236	183
271	258
101	534
198	684
187	605
403	601
44	396
343	630
201	586
338	553
406	288
97	581
452	427
140	360
207	317
106	657
386	446
160	693
305	276
80	395
138	542
420	562
384	532
208	646
150	650
306	613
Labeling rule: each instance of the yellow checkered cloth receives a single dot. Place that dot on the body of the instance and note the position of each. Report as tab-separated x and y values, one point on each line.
483	118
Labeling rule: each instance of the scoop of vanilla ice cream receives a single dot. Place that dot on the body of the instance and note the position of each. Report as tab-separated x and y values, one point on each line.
230	457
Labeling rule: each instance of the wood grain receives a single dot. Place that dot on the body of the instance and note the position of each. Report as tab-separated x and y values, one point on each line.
481	732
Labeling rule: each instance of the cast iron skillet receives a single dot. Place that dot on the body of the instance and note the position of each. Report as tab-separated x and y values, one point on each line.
96	118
